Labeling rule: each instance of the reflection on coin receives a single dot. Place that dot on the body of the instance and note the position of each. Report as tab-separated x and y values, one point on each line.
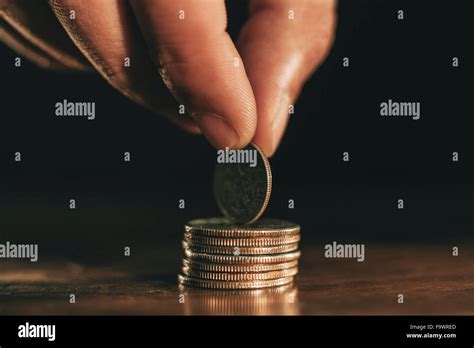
224	228
239	260
215	267
222	250
239	276
242	191
241	242
265	301
216	284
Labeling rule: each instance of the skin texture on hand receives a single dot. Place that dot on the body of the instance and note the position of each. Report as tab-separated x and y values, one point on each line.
181	55
279	54
32	30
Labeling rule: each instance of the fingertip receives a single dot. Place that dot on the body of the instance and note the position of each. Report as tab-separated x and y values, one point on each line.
217	130
220	132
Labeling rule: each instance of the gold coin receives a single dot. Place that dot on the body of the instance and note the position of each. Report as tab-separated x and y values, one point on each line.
221	250
224	228
213	267
242	242
240	276
241	260
229	285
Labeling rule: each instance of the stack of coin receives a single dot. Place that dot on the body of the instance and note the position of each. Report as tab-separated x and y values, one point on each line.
239	250
219	254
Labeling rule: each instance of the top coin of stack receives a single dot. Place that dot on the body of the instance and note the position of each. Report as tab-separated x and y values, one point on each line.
239	251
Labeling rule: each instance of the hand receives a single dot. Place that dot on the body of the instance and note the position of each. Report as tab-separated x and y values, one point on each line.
233	93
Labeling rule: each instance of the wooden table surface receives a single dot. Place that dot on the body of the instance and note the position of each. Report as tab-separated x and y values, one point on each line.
431	280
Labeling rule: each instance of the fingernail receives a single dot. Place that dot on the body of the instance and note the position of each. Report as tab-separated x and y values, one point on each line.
217	130
280	120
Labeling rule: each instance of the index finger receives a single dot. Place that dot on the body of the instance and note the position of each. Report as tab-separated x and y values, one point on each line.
201	66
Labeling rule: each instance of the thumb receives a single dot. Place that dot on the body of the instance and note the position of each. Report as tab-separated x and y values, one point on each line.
281	44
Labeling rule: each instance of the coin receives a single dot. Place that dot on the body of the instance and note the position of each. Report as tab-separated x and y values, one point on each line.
242	242
216	267
239	276
223	250
242	190
224	285
239	260
224	228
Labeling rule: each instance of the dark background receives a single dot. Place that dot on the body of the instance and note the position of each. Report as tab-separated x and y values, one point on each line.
136	203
